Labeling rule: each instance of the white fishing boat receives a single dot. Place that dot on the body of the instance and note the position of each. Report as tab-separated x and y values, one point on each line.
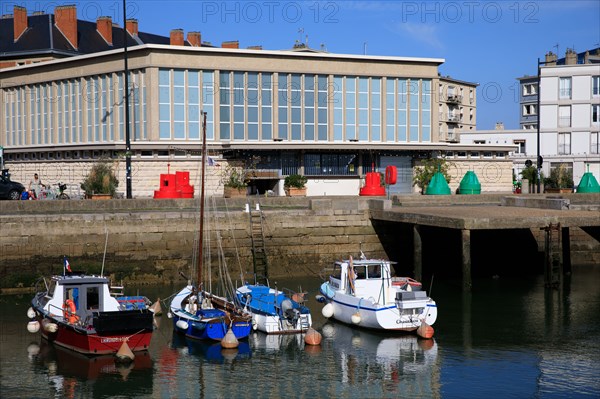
364	293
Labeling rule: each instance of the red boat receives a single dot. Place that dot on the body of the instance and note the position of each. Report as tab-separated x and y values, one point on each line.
78	312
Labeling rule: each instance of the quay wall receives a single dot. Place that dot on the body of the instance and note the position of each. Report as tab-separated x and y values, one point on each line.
152	241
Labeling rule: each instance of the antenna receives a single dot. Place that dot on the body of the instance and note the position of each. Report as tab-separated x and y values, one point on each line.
300	33
365	48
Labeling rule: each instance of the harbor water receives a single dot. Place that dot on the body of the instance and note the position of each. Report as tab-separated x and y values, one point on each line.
509	338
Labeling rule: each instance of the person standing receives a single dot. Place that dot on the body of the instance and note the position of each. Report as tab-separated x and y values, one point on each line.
35	186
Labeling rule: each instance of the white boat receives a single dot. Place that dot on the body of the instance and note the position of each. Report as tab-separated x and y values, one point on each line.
364	293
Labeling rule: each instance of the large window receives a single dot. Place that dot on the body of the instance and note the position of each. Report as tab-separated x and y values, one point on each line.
564	143
595	85
164	103
594	143
596	114
564	116
565	88
521	148
338	108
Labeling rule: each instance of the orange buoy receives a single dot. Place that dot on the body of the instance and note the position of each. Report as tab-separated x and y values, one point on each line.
125	355
425	330
229	341
312	337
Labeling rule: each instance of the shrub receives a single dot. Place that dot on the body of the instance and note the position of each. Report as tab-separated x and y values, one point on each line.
295	181
101	179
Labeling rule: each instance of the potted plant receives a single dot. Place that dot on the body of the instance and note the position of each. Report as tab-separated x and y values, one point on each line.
559	181
235	182
101	181
295	185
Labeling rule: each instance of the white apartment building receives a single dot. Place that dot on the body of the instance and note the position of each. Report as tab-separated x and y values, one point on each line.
569	115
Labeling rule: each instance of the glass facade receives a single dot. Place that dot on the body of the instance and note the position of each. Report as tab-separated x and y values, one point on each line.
183	94
240	105
73	111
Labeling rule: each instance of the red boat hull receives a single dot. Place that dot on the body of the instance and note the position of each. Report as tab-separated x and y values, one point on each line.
91	343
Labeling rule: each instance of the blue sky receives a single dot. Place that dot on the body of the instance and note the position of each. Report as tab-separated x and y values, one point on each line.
487	42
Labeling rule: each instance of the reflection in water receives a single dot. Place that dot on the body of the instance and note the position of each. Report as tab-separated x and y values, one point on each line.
208	349
403	365
509	337
72	374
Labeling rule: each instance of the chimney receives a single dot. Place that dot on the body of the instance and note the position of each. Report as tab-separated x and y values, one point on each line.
65	18
176	37
255	47
231	44
570	57
499	125
132	26
550	58
20	21
194	39
104	27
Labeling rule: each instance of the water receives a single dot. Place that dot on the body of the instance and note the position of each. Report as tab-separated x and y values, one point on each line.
510	338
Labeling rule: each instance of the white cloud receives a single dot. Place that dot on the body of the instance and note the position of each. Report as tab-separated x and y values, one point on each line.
424	33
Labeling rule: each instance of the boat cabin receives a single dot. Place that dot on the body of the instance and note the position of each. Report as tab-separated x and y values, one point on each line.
88	293
362	278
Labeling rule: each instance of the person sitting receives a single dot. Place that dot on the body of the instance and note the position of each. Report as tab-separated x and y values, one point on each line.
35	187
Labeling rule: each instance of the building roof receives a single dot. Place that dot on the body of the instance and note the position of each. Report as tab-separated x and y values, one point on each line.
43	37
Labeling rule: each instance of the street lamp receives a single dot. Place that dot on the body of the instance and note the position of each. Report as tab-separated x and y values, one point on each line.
539	156
126	89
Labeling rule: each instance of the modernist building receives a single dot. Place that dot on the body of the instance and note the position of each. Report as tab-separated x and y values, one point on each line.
331	117
569	114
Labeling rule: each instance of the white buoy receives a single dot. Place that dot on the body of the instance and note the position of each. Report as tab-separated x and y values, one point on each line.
51	327
169	314
356	319
327	310
33	326
247	208
125	355
31	313
229	341
182	324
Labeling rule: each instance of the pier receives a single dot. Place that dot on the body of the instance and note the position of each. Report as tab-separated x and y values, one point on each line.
552	216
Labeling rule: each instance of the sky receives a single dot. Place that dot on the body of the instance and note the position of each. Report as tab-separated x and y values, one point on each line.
490	43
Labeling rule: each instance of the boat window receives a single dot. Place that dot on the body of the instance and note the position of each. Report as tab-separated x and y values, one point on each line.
93	298
337	271
51	288
73	294
374	271
361	272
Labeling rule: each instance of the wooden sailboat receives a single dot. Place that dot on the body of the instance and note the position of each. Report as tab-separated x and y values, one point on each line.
197	313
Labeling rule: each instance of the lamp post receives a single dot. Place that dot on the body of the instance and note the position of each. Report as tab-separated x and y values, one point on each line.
126	89
538	163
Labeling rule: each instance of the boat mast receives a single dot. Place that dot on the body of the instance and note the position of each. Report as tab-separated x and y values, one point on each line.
201	235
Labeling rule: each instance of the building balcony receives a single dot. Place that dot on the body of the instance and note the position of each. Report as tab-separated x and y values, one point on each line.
454	98
450	136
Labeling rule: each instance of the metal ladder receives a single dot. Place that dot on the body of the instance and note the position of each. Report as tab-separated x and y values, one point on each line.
553	255
259	255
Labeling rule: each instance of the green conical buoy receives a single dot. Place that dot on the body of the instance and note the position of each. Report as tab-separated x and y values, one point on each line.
438	185
588	183
469	184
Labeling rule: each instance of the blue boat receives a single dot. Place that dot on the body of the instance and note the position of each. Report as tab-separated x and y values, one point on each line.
197	313
206	316
273	311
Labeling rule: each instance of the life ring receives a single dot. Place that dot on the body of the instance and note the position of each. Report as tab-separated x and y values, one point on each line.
391	175
69	311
